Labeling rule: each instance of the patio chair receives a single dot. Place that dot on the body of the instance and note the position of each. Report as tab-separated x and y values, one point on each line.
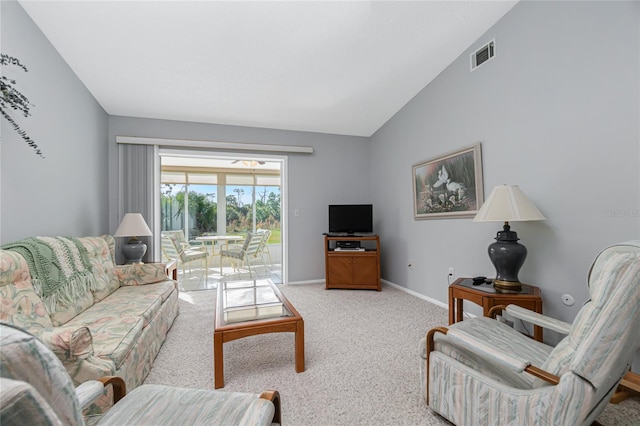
241	254
178	237
263	249
175	249
37	390
481	371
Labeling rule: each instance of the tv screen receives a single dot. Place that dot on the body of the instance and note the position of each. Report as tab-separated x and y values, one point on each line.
350	218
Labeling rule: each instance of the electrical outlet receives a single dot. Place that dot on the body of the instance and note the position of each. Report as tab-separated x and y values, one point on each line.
451	272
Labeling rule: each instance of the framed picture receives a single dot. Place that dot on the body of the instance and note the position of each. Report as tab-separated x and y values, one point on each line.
449	186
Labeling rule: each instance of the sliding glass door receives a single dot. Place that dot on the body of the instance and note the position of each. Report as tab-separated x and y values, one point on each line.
204	195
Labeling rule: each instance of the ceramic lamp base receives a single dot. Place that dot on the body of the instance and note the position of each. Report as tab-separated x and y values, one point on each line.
134	250
507	256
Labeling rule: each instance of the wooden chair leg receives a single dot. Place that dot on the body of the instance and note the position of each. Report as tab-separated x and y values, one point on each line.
630	384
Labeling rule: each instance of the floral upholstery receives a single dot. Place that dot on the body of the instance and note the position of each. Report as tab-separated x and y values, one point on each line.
103	264
19	302
36	390
475	371
61	407
115	328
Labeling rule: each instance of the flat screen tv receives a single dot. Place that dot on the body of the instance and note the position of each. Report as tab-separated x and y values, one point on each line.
350	218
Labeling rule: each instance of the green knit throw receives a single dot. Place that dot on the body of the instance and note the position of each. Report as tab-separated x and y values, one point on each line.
60	268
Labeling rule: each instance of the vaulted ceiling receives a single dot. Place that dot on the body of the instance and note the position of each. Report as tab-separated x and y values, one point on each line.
341	67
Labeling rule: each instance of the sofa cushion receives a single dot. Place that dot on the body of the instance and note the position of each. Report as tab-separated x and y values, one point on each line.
118	320
66	311
19	303
103	265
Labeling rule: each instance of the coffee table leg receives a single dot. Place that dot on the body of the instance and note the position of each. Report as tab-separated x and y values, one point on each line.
218	362
300	347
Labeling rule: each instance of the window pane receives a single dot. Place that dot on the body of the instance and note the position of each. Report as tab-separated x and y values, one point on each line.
239	209
202	210
171	214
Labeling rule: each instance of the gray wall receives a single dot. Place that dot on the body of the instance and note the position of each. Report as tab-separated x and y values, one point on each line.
337	172
557	113
64	193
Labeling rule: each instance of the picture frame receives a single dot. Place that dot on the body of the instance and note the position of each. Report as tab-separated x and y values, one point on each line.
449	186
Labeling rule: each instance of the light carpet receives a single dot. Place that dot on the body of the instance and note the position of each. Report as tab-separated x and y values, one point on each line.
361	353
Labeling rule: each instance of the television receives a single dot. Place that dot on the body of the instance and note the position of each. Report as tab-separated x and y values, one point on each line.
350	219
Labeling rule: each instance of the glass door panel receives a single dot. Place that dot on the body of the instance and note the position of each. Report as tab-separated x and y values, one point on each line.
223	195
240	196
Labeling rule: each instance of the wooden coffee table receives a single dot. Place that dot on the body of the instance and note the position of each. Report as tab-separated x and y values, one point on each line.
248	308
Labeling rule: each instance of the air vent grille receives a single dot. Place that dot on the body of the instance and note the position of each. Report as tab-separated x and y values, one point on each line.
482	55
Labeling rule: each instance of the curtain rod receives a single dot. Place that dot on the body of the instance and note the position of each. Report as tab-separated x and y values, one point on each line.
236	146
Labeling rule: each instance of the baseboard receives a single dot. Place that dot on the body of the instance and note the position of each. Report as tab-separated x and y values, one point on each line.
306	282
385	282
416	294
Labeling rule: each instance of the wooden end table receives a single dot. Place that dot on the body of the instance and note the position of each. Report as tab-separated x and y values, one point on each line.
171	269
487	296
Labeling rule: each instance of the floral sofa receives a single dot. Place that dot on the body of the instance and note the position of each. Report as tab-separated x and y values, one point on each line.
98	318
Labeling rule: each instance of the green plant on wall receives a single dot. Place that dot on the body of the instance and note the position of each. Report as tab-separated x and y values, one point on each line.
12	99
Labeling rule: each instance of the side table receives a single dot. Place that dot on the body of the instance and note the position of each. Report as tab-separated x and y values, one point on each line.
172	269
487	296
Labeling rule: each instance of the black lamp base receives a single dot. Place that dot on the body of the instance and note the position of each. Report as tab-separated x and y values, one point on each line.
134	250
507	255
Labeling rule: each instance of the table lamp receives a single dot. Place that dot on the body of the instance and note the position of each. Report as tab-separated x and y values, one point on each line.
507	203
134	226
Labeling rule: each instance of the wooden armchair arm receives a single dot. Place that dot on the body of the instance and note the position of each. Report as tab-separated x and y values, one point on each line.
274	397
496	310
119	387
534	318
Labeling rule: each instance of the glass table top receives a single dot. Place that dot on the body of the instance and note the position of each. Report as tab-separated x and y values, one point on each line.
243	301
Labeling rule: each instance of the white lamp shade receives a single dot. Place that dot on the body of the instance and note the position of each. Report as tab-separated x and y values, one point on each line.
507	203
133	225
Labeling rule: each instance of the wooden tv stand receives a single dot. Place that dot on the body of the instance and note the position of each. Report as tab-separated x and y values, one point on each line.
352	269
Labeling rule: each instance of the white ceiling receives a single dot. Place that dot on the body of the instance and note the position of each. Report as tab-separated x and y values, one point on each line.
342	67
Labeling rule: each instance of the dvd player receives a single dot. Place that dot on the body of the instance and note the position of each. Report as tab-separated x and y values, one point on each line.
346	244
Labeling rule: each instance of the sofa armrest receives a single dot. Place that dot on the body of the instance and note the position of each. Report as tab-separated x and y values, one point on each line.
73	346
141	273
68	343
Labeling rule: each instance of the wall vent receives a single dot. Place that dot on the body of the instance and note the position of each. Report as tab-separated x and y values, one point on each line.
483	55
